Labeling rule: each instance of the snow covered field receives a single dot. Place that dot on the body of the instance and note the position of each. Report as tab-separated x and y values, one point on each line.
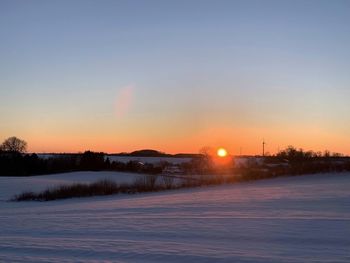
152	160
295	219
125	159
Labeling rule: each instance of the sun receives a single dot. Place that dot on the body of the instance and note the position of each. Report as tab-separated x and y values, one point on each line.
221	152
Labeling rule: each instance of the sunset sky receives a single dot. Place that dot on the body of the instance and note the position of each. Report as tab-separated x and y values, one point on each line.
175	76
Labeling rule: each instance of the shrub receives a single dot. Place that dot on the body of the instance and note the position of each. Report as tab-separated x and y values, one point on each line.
168	181
103	187
146	183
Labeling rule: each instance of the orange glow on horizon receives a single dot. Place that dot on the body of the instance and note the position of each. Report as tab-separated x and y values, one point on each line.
169	139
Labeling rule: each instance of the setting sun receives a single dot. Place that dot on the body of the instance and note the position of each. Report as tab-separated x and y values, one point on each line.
222	152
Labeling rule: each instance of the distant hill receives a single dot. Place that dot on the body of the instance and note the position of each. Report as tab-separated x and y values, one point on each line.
143	153
138	153
155	153
148	153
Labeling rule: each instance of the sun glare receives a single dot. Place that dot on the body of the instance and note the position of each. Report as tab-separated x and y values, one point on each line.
222	152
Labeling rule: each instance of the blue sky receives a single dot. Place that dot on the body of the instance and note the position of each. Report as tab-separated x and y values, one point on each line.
198	72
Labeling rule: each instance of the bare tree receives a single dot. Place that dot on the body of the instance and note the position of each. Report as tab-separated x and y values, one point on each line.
205	162
14	144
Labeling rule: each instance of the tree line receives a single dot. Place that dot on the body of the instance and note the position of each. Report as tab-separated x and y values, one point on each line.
14	161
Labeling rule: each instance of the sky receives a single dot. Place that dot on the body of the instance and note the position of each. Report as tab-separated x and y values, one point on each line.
176	76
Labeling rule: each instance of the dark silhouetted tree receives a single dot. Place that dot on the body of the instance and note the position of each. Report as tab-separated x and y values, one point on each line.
92	161
14	144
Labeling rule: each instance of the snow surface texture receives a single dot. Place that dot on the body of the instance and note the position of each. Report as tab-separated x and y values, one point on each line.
291	219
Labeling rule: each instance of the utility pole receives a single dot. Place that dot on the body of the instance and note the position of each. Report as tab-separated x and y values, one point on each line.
263	145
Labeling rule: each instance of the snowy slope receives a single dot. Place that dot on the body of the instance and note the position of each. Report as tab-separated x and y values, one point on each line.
296	219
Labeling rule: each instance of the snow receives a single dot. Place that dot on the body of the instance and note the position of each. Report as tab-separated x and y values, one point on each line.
125	159
47	155
290	219
152	160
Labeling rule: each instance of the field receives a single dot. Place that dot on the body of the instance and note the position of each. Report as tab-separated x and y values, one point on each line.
290	219
125	159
